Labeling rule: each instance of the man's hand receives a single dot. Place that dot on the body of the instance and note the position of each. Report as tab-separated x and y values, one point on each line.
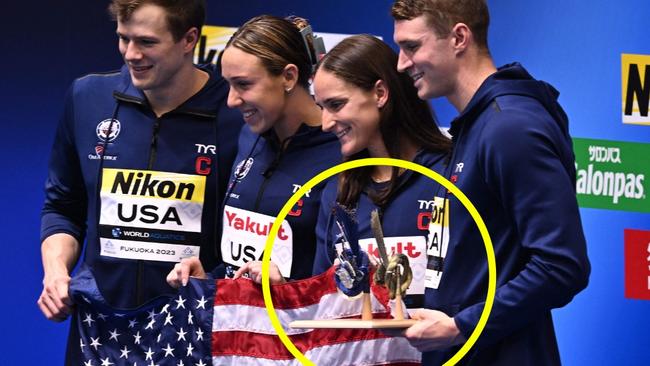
181	273
54	301
254	271
433	331
59	253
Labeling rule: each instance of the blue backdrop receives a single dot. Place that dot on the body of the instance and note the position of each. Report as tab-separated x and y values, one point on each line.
575	45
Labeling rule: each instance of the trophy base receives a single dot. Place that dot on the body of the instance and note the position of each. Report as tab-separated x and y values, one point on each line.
353	324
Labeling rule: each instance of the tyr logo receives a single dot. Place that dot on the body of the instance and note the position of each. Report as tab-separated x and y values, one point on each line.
296	187
206	149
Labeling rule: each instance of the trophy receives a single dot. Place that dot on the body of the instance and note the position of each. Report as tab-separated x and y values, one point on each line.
352	275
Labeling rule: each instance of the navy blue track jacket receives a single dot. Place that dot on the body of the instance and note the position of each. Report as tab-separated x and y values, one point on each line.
264	177
154	183
513	158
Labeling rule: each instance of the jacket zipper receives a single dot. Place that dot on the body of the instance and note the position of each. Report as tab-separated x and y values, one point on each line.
152	159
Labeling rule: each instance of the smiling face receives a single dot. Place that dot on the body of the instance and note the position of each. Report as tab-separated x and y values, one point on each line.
259	95
429	60
351	113
149	50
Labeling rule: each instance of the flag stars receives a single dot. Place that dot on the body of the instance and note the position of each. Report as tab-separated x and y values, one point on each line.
168	319
180	363
152	314
150	325
149	355
200	363
89	319
180	303
169	351
102	316
81	344
158	339
190	349
137	338
132	323
190	318
88	363
181	335
107	362
201	303
124	353
114	335
94	342
164	309
199	335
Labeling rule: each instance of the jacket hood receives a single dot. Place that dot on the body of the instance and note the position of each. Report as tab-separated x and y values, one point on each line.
512	79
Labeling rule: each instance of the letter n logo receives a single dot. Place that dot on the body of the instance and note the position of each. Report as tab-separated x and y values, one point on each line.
635	74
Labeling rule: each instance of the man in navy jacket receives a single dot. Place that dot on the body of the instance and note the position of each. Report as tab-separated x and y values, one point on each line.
140	162
512	156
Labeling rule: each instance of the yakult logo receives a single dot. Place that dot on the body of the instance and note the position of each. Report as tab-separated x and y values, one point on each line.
250	225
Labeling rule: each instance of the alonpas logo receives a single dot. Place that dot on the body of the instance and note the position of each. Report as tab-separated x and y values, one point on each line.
635	75
612	175
103	132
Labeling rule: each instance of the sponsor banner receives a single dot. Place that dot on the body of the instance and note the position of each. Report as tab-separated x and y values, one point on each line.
635	75
637	264
127	249
244	238
214	38
414	247
437	242
612	174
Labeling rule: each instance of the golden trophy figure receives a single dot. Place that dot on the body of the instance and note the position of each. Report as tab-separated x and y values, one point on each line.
353	279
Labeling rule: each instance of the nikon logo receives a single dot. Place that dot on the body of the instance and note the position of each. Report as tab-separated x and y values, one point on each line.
636	88
141	184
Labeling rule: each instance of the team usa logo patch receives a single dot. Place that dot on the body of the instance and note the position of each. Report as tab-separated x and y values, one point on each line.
103	132
243	168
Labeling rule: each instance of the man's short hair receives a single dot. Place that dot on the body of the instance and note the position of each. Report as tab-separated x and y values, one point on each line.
181	14
442	15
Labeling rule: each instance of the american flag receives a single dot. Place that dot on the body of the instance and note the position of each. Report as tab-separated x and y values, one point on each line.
224	322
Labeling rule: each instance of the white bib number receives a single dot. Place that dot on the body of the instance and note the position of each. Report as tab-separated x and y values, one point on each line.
437	243
244	238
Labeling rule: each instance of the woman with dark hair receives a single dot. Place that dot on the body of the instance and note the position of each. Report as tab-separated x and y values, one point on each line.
268	63
375	112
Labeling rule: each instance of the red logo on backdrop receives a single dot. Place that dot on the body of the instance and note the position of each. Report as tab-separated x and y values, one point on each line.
637	264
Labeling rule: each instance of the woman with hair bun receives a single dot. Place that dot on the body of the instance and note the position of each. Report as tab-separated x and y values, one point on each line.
268	63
